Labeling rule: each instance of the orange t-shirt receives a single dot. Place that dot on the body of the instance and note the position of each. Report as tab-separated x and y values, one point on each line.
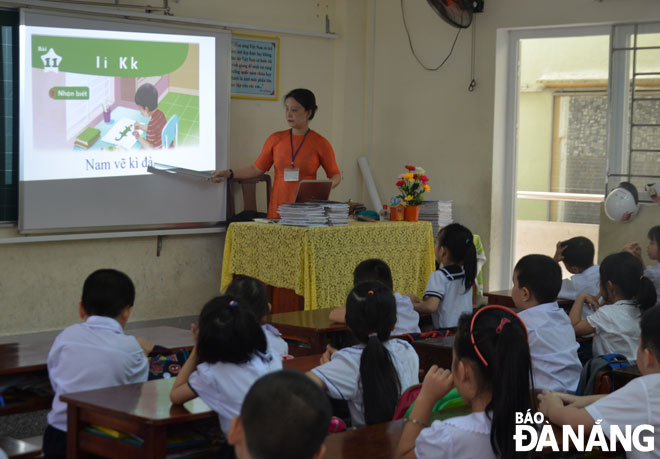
315	151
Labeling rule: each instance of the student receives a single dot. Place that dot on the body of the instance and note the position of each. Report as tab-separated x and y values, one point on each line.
95	353
552	344
407	319
626	294
578	256
653	252
283	415
449	289
251	293
491	369
634	404
230	354
146	98
372	375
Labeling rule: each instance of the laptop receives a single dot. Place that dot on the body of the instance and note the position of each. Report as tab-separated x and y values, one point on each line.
313	190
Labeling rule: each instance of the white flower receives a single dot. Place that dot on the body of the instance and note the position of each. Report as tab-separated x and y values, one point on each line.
420	171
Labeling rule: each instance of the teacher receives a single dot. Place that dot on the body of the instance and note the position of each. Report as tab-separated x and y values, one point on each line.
296	153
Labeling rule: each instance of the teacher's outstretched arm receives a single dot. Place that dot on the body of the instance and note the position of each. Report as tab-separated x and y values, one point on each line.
336	180
246	172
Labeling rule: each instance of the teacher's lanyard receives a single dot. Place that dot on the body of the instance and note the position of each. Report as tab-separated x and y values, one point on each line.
293	155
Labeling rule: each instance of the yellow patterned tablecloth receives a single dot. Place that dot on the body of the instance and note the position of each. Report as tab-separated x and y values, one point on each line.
318	263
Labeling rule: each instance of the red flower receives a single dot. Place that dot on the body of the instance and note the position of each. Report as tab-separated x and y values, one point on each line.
410	168
400	183
423	178
415	176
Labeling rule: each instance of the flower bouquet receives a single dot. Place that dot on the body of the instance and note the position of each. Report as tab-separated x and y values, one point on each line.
412	185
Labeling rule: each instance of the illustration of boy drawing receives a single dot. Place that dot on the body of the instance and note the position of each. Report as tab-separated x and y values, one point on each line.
146	98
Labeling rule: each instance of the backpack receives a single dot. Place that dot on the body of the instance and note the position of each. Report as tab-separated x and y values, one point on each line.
594	378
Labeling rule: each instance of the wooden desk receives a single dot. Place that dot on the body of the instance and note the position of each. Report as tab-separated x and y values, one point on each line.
378	441
503	298
304	363
434	351
142	409
30	358
311	326
18	449
622	376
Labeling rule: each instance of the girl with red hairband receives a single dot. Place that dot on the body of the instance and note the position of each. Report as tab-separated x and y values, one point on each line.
492	371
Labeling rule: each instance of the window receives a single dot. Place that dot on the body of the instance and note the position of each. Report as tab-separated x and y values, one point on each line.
8	116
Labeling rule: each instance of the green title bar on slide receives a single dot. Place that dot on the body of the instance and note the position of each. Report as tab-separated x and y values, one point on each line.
98	56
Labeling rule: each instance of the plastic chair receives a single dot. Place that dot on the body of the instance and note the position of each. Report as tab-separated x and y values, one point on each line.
170	134
249	188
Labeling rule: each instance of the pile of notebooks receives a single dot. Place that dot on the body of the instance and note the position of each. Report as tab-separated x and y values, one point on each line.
302	214
337	213
87	138
436	212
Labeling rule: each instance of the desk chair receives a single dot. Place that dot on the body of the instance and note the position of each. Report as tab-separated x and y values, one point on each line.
170	134
249	188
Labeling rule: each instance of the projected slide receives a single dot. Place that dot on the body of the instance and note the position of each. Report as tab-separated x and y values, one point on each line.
110	103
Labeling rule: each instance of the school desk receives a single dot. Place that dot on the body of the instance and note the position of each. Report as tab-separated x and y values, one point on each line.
303	363
142	409
503	298
615	379
434	351
318	263
312	327
378	441
29	358
18	449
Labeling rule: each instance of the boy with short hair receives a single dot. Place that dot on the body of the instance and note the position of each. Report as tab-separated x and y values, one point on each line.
552	344
376	270
146	98
95	353
578	256
285	414
634	404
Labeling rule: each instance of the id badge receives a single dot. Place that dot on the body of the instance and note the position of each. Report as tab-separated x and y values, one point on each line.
291	174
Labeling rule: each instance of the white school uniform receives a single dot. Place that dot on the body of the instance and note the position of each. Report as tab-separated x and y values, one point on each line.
92	355
552	347
634	404
447	285
463	437
407	319
276	343
617	329
587	281
223	386
341	374
653	273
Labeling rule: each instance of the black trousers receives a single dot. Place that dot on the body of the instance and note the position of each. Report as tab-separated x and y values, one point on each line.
54	444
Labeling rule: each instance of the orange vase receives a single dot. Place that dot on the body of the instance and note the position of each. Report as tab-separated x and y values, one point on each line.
411	213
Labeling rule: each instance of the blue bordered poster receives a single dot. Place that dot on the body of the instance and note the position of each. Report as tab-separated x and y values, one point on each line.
254	67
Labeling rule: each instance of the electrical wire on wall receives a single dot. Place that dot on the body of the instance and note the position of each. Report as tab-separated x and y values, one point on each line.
412	49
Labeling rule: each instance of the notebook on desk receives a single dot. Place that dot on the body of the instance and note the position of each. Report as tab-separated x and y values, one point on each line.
313	190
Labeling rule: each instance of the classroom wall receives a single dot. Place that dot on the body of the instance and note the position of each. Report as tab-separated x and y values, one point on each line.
614	235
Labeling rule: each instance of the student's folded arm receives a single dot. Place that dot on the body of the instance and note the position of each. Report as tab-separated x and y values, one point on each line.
428	304
338	315
181	391
572	416
583	328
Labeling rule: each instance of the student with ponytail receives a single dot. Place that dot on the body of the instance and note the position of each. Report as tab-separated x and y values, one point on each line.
492	371
449	289
230	354
626	293
371	375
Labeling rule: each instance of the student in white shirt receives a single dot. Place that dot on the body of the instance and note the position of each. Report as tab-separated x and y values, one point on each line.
653	252
634	404
626	293
284	415
492	371
96	353
372	375
251	293
374	269
552	344
577	254
230	354
448	292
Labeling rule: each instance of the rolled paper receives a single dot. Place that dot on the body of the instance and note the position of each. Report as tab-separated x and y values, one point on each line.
369	182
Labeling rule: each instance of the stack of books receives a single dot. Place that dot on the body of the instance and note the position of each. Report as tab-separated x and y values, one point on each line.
337	213
87	138
302	214
436	212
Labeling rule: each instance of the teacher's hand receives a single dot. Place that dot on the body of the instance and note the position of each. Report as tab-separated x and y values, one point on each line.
219	176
